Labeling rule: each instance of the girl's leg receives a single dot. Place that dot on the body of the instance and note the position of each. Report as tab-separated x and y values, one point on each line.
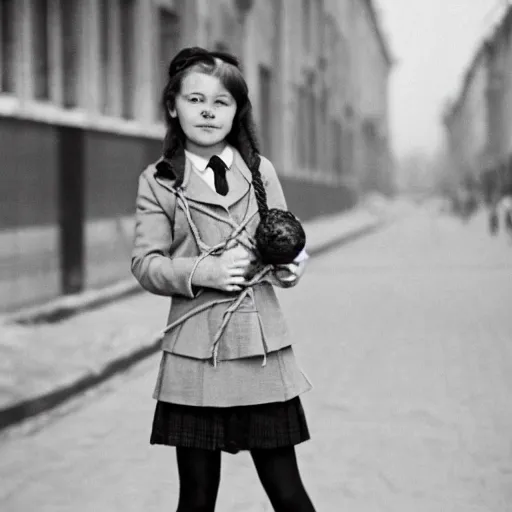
279	474
199	473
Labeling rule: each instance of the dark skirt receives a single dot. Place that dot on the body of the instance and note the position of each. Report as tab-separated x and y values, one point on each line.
231	429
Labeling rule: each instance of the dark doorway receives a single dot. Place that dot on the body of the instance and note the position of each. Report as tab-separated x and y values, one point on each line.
71	208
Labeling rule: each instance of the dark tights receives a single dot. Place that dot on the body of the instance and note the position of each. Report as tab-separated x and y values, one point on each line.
199	473
279	474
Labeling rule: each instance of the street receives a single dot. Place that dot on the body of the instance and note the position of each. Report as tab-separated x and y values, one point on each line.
406	335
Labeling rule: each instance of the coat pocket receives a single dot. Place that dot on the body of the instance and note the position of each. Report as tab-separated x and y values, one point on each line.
191	338
242	335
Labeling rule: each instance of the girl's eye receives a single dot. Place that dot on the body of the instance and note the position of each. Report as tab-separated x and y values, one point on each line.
194	100
220	102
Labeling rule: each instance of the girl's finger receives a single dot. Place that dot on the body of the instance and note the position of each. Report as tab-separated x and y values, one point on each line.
236	280
241	263
237	271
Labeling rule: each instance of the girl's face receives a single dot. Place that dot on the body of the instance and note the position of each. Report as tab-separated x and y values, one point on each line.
205	109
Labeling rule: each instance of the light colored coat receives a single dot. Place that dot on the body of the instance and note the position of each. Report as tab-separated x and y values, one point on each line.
165	254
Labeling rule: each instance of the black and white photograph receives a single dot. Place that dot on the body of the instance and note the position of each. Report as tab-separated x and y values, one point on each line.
255	255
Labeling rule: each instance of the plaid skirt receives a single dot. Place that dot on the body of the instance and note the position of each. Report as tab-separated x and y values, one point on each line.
230	429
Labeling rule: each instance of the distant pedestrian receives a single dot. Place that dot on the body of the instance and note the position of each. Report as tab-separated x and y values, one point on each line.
228	378
505	210
494	220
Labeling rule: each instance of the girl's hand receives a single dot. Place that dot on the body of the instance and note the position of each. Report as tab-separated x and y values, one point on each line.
289	275
225	272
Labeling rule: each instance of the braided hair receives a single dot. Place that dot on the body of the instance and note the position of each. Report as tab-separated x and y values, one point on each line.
279	235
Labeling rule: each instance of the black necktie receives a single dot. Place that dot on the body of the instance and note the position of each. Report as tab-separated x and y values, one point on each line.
219	171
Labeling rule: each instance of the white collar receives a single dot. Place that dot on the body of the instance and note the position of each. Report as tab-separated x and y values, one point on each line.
201	163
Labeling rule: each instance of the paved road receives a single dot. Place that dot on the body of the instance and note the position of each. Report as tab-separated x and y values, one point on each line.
407	337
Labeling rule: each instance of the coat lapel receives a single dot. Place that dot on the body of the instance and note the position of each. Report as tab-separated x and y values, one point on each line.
239	180
196	189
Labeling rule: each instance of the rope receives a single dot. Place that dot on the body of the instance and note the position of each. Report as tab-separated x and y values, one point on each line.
229	312
205	251
237	228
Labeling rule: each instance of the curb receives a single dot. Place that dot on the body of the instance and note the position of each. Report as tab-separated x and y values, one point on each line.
70	305
25	409
344	239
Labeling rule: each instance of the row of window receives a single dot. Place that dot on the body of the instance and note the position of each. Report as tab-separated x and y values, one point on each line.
322	39
83	55
325	142
47	48
313	27
322	139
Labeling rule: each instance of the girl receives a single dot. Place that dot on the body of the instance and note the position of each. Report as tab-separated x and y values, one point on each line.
228	379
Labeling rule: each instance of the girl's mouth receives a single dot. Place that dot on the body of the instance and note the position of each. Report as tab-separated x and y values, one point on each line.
208	126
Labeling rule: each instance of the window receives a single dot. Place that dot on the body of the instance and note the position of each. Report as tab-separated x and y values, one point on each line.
337	147
311	124
127	57
227	26
322	35
106	55
308	151
117	57
7	45
343	66
347	150
306	25
322	132
58	56
40	49
302	118
331	36
265	82
169	46
71	22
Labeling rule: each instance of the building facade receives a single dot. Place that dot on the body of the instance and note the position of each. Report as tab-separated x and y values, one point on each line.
80	117
479	122
467	121
372	64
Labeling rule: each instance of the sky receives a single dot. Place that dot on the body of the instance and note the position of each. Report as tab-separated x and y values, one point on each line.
433	42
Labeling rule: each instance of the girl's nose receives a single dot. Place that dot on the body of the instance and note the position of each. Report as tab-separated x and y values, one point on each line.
207	114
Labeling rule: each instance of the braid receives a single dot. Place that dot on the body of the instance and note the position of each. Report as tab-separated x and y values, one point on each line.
259	189
247	139
279	236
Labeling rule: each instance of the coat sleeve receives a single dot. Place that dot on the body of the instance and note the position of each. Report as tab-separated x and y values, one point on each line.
152	262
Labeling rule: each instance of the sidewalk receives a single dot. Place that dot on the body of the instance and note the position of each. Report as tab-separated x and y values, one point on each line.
42	364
